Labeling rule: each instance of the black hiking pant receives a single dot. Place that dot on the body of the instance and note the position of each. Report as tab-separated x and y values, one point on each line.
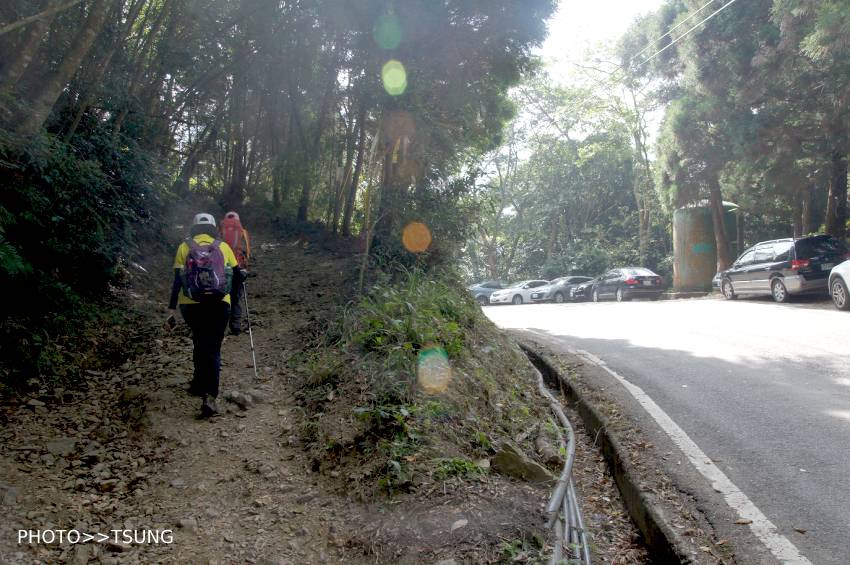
236	301
208	323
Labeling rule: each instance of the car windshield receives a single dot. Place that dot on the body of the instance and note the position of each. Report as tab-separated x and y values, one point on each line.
519	284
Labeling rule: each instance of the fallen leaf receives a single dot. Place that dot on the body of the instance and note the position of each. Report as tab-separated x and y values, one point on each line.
721	542
705	548
800	530
743	521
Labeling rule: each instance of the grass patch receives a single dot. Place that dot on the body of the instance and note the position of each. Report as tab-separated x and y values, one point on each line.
457	467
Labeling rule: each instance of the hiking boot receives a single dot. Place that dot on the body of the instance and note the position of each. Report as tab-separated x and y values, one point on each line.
208	407
235	330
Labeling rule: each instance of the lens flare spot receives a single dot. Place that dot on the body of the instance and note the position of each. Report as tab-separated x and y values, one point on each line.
416	237
394	77
387	32
433	371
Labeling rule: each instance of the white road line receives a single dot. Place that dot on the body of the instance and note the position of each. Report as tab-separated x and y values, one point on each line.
762	527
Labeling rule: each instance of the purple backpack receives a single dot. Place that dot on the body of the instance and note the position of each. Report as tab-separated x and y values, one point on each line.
205	276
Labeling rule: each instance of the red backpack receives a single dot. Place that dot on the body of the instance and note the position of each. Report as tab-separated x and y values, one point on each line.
231	233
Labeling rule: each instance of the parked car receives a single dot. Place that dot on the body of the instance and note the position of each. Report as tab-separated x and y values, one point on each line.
839	283
559	290
583	291
715	282
482	291
627	283
517	293
784	267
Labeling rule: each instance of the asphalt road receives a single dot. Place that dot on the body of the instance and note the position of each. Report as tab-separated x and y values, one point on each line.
762	388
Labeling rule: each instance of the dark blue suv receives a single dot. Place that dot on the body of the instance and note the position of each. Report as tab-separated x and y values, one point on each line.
783	267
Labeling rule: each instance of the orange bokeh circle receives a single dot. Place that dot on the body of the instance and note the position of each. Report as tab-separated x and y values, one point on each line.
416	237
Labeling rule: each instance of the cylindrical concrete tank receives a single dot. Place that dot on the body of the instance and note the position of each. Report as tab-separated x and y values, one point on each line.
694	251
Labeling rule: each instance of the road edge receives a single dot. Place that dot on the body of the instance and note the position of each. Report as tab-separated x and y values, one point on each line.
664	544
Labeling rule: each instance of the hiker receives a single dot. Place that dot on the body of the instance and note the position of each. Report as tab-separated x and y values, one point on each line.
236	237
203	275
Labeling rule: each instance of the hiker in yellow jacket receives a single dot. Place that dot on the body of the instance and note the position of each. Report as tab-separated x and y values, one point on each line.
203	276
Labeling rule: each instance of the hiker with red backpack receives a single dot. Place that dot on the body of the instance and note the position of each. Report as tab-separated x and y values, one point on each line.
236	237
203	276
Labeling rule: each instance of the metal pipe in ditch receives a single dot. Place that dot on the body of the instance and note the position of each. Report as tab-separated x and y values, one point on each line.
563	500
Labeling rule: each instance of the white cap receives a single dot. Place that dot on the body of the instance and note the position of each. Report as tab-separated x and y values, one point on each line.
204	219
232	215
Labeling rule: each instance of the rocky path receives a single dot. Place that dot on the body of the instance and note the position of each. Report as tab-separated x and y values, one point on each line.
129	453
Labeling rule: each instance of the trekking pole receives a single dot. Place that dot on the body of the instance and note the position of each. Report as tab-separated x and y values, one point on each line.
250	331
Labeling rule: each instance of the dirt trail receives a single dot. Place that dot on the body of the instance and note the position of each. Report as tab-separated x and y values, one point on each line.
233	489
129	453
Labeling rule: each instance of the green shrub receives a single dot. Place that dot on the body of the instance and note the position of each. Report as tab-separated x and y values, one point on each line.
69	215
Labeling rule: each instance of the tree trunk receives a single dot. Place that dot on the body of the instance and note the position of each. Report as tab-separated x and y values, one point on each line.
47	14
836	205
739	232
342	184
14	68
389	202
509	262
643	184
140	65
639	189
201	146
31	120
797	213
304	201
492	260
101	69
355	179
806	211
721	241
553	236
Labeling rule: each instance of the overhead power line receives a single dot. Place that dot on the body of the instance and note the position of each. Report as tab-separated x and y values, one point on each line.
672	43
671	30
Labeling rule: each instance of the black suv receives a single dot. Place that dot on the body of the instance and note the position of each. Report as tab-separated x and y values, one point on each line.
783	267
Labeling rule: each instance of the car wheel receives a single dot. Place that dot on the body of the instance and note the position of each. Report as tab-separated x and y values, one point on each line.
517	299
595	295
483	300
778	290
840	295
559	297
621	297
728	291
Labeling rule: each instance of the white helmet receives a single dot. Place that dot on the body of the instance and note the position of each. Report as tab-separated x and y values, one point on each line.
201	219
232	215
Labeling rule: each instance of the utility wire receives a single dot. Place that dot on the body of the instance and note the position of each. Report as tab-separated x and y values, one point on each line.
672	43
612	74
671	30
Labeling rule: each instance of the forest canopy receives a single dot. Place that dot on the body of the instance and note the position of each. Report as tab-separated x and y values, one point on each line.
352	115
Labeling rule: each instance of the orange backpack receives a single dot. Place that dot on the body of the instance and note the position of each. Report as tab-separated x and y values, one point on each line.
231	233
